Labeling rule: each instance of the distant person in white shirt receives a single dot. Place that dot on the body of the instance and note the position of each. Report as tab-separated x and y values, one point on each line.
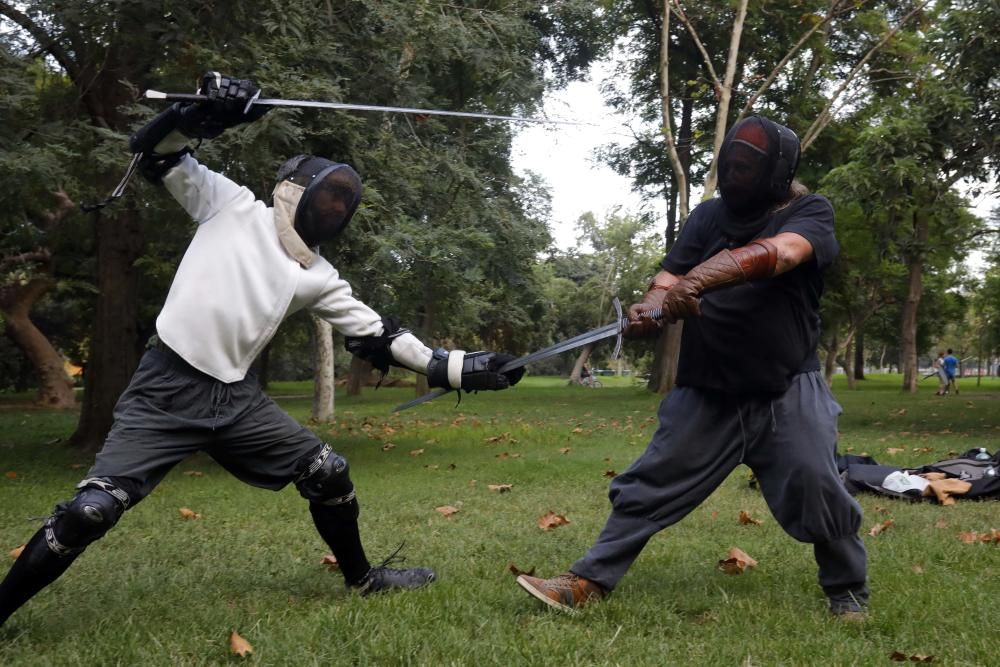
248	267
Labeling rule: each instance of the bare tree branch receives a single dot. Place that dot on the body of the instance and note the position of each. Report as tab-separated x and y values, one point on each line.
45	41
668	135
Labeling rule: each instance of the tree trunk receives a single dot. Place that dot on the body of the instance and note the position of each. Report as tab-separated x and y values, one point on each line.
581	361
668	348
848	365
859	356
911	307
322	407
831	358
357	375
113	355
55	388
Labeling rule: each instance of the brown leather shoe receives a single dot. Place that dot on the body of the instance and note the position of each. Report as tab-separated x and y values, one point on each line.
567	592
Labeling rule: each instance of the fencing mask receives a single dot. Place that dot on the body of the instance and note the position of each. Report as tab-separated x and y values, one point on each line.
331	194
757	163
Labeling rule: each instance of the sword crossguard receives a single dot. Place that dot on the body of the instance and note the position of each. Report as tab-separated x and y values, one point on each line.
623	323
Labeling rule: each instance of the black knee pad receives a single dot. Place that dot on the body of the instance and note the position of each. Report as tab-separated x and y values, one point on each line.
94	510
326	479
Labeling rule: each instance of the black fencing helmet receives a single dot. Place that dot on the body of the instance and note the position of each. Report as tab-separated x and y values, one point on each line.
332	194
757	163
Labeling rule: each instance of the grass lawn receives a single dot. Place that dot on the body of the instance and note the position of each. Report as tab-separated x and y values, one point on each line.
162	590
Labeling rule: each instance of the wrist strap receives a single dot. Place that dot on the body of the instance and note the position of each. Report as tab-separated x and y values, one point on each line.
655	286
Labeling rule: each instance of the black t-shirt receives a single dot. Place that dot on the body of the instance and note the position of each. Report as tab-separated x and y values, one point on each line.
756	336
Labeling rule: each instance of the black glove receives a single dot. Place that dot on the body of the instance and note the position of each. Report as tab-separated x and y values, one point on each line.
375	349
478	371
228	105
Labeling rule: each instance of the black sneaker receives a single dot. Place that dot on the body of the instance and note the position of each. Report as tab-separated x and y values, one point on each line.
384	578
850	605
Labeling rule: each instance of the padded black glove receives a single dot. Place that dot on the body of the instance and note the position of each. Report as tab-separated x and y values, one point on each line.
228	104
473	371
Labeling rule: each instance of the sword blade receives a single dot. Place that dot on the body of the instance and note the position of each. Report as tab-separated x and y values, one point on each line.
592	336
277	102
429	396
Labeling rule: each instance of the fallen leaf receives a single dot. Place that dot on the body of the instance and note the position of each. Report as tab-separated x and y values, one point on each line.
501	488
747	520
968	537
564	450
194	473
940	523
16	551
737	562
503	455
551	520
10	474
446	510
188	513
894	450
715	515
577	430
472	482
880	528
388	430
330	562
609	473
387	446
517	572
898	656
917	569
416	452
77	466
881	510
238	645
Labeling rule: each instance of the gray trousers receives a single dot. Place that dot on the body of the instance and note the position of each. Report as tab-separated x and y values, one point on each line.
171	410
789	441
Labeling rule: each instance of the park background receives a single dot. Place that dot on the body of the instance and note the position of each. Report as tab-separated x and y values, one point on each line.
896	103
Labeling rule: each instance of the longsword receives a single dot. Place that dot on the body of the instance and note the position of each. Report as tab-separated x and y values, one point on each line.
345	106
615	328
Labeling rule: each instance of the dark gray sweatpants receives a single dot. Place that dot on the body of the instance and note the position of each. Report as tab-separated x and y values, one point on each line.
789	441
171	410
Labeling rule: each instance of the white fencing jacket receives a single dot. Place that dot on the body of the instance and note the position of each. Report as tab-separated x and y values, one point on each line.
245	271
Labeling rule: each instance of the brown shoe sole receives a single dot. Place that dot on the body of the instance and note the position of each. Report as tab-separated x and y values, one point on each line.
523	583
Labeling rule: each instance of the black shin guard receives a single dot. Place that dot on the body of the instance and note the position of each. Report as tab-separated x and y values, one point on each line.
36	567
338	526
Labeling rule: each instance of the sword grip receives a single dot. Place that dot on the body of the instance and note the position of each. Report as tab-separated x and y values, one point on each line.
175	97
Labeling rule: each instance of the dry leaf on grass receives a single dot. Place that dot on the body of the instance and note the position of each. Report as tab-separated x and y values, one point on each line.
747	520
187	513
416	452
501	488
10	474
577	430
899	656
194	473
472	482
972	537
610	473
737	562
77	466
330	562
446	510
564	450
517	572
238	645
880	528
917	569
16	551
551	520
894	450
387	446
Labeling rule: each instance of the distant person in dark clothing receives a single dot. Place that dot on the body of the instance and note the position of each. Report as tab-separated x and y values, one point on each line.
746	275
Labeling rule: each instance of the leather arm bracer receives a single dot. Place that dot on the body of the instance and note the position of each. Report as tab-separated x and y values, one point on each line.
755	261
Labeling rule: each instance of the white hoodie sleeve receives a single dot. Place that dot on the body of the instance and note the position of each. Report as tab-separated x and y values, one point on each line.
202	192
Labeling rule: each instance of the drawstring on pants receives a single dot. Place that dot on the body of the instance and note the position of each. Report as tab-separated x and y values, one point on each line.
221	395
743	432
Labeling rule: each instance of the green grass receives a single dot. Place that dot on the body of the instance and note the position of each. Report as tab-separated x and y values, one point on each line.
159	590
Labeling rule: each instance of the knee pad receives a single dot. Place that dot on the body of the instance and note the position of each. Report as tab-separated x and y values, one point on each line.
326	479
94	510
